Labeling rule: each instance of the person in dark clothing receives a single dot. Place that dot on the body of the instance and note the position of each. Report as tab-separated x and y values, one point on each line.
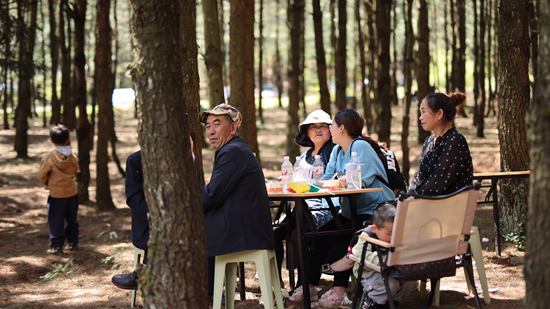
135	199
445	164
235	201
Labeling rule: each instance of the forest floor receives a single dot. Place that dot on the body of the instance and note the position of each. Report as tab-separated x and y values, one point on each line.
82	279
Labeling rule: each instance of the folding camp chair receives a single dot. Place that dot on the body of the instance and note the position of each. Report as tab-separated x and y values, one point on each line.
429	241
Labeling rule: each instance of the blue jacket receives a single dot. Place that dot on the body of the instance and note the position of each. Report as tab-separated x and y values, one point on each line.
371	166
235	202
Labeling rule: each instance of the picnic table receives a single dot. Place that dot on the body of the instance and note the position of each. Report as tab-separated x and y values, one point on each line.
301	209
493	193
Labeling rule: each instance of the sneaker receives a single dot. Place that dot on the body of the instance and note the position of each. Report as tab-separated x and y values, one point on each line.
329	299
71	247
299	294
55	250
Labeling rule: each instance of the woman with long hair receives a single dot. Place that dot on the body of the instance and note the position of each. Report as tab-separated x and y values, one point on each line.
346	131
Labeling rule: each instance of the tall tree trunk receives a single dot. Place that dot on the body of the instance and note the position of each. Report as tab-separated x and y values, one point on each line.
331	66
383	26
362	61
394	98
296	16
261	63
341	67
104	96
534	35
83	128
5	39
213	53
409	62
320	56
177	244
447	47
223	47
242	69
490	55
423	63
54	50
513	102
461	51
191	82
44	69
476	65
26	71
66	102
481	111
454	47
537	255
278	63
374	103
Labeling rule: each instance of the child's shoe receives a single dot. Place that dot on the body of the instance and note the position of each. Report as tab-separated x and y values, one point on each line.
299	294
72	247
329	299
55	250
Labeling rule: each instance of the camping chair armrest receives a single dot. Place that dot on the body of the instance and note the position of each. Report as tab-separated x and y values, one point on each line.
375	241
366	263
404	196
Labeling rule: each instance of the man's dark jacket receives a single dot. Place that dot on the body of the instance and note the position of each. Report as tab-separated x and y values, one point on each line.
136	200
235	202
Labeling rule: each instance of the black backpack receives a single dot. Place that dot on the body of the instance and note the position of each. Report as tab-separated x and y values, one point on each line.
396	181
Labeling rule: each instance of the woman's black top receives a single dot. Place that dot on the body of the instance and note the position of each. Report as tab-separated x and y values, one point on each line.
444	167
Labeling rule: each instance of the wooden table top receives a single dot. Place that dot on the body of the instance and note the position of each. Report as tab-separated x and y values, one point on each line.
501	174
319	194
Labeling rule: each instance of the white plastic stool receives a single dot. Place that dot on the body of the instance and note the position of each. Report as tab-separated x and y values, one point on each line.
475	248
266	265
138	253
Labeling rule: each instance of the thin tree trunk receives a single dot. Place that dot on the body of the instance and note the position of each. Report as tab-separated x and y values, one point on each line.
476	65
534	34
341	67
537	255
177	265
43	52
454	47
54	50
423	62
490	56
242	70
320	56
26	72
409	62
394	49
261	63
332	65
112	132
447	47
83	128
461	51
513	103
481	111
6	35
373	106
278	63
296	17
213	54
362	62
383	34
104	95
68	106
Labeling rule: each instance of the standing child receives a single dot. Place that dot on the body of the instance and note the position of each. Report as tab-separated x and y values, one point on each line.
57	171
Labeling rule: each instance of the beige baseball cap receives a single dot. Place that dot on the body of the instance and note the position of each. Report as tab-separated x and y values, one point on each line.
223	109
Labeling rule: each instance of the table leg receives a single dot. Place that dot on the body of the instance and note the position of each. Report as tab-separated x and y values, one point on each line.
302	247
496	217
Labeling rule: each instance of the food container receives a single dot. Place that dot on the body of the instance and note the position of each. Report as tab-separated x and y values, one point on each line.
331	185
299	187
274	186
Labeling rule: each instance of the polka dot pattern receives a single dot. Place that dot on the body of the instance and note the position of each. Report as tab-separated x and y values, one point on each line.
445	165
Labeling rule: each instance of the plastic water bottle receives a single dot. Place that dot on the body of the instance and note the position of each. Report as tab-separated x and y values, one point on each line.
298	169
355	159
286	173
352	177
318	169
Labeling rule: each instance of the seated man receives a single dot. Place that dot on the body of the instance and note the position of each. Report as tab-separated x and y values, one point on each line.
235	201
135	199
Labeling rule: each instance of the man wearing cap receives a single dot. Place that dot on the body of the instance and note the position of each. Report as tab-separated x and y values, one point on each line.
235	201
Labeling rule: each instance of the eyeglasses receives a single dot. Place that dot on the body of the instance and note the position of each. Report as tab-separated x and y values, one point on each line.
318	127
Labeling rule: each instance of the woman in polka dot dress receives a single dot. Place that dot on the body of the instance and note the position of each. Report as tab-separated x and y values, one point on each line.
446	163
